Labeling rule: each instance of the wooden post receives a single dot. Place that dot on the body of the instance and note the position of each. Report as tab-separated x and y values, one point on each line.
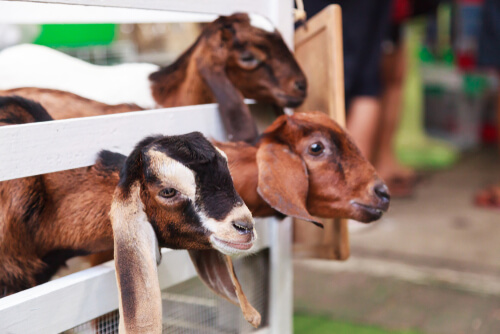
318	49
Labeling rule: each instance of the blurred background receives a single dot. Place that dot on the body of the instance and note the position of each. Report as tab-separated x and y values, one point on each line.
430	265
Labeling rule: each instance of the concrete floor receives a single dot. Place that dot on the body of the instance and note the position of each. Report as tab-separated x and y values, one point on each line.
432	263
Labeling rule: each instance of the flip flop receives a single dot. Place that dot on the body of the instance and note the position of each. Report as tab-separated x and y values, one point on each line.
488	197
402	186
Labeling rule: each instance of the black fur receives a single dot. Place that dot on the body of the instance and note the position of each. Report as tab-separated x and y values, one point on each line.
133	170
12	108
111	161
54	260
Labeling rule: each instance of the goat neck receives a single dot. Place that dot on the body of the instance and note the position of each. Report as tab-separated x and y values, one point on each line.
180	83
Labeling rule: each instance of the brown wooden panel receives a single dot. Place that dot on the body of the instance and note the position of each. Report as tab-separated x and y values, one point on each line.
318	49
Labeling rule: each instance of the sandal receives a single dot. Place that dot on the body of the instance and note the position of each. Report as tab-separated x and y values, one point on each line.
488	197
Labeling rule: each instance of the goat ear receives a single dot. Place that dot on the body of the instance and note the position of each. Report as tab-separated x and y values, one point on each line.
136	258
283	181
235	114
217	272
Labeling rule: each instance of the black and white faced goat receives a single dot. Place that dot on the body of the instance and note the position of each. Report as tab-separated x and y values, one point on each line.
176	192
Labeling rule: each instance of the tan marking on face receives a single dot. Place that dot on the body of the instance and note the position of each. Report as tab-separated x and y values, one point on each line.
221	152
172	173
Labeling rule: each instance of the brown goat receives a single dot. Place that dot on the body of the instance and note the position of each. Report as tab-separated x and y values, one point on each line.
306	165
230	60
173	192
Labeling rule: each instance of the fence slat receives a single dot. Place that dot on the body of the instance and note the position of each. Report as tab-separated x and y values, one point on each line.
38	148
220	7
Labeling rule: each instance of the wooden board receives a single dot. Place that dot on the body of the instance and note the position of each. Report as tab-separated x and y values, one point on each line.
318	49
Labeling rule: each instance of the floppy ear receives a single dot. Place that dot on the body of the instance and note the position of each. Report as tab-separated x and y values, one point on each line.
235	114
283	181
136	258
217	272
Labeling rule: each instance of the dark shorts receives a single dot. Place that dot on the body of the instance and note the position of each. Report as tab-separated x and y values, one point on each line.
364	24
489	36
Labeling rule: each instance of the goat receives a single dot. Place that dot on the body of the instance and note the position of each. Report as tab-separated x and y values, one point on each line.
231	59
174	192
306	165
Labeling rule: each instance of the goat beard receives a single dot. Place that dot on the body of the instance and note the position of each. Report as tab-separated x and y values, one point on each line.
217	272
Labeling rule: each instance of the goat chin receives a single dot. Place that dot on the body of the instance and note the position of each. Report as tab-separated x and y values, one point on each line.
232	248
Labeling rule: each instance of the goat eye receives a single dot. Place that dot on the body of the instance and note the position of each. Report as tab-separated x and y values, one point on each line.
316	149
249	60
168	192
247	57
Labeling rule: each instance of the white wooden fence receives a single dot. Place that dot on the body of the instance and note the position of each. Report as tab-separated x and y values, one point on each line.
32	149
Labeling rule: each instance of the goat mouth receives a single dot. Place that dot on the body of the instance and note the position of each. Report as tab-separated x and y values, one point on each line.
370	212
234	245
290	101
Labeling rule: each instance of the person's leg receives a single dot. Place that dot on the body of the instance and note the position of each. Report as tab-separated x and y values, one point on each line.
364	85
387	165
362	122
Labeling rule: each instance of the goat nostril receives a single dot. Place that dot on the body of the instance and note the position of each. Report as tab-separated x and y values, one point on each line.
382	192
301	85
243	227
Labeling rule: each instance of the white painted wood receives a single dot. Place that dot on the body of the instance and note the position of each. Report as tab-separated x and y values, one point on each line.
77	298
30	65
37	148
281	285
16	12
281	276
219	7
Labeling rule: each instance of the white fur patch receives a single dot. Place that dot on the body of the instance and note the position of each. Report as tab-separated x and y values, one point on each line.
221	152
225	249
173	174
29	65
261	22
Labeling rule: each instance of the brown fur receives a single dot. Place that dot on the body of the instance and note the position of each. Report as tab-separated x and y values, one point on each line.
25	242
209	71
64	105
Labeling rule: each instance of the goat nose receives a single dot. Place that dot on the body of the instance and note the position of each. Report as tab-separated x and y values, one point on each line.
243	227
382	192
301	85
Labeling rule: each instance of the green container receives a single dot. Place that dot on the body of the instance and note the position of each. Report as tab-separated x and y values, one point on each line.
76	35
